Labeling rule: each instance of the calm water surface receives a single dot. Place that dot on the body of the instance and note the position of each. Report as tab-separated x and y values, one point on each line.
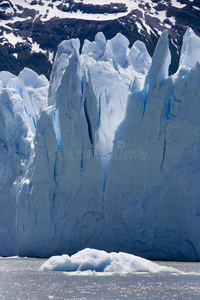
20	279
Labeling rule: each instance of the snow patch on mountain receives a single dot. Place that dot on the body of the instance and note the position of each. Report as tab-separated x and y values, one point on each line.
178	4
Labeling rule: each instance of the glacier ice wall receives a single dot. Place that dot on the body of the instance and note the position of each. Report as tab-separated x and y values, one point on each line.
105	155
21	98
153	190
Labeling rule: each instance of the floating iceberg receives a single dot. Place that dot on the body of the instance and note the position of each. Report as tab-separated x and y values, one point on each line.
105	155
101	261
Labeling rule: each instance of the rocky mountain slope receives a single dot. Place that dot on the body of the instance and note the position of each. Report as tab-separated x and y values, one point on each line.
31	30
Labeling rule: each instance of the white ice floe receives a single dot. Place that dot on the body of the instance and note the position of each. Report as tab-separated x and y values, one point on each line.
101	261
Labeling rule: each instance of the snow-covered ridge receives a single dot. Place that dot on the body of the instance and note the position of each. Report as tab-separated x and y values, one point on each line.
49	9
106	155
32	11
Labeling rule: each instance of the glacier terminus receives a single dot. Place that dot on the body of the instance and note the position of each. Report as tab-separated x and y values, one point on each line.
105	155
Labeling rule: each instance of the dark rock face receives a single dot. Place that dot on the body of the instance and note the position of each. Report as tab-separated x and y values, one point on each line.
93	9
32	27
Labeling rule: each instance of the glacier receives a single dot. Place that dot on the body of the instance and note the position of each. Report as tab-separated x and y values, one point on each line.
105	155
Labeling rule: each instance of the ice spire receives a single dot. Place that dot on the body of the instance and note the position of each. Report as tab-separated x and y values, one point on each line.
190	53
161	60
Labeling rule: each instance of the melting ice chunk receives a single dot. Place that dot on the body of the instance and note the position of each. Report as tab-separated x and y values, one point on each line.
101	261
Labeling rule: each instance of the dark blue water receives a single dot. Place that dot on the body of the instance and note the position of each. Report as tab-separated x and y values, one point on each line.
20	279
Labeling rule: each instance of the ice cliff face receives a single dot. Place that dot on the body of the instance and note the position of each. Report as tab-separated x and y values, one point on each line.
156	195
112	161
21	98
